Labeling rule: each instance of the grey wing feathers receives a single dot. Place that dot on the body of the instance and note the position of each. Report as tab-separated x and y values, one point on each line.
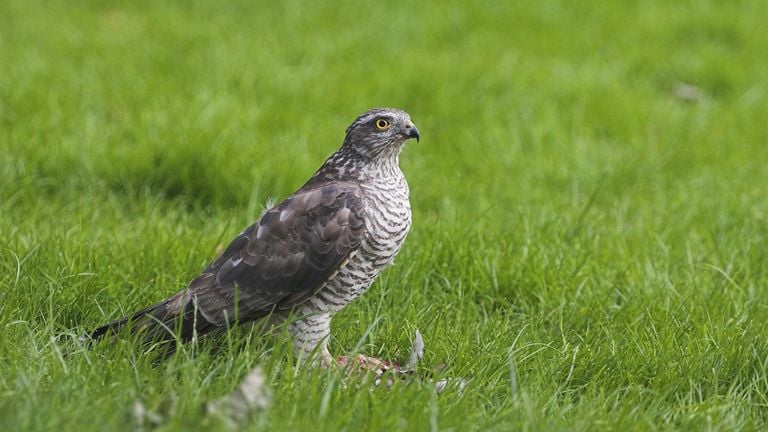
284	258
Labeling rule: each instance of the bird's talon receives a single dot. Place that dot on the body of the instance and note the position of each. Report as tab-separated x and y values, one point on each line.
360	363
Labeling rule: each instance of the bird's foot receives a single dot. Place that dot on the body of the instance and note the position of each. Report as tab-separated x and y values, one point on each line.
361	363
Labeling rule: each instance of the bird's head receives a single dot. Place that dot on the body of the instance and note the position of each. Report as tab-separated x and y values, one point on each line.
380	132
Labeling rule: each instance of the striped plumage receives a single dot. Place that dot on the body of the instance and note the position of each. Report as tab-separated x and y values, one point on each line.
387	220
308	256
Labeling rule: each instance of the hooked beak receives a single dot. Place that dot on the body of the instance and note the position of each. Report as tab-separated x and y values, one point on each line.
411	132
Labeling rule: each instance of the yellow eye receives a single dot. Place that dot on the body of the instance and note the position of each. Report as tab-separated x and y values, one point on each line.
382	124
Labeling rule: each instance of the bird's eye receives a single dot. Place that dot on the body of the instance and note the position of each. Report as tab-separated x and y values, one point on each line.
382	124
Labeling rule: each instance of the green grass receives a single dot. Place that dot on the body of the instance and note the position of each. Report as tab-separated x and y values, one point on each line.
588	249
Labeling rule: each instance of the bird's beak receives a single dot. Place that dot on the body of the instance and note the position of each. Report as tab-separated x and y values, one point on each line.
412	132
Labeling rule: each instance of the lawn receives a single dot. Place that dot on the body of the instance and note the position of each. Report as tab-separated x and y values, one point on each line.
589	194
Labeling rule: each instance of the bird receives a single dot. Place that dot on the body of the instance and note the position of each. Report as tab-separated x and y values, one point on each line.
305	258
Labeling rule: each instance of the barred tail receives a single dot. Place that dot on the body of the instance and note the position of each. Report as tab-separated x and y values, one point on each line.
168	320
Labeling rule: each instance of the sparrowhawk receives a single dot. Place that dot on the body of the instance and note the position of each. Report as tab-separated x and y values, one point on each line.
308	256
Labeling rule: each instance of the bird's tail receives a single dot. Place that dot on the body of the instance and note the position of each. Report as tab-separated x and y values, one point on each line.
173	319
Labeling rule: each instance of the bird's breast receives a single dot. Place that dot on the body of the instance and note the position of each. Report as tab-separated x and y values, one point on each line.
388	220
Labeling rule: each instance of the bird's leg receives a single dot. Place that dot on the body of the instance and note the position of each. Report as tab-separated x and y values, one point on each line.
310	343
310	339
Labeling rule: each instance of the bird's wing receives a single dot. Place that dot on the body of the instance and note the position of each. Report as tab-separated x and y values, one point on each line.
285	257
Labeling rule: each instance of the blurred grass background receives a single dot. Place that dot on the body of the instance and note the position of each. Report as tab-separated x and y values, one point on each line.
590	208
